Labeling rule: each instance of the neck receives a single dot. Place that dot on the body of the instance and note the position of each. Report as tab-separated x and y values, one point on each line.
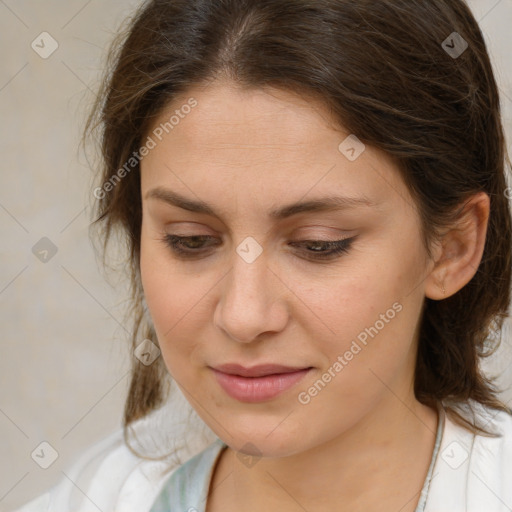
378	464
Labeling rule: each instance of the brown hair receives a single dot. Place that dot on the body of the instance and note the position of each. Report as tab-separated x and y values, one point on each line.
382	69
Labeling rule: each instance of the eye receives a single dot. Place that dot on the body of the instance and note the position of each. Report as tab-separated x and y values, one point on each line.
326	249
193	246
186	246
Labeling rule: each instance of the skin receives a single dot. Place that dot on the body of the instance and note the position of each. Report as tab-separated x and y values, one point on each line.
246	153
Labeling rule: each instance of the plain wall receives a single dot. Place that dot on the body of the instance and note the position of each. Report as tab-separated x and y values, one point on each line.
64	355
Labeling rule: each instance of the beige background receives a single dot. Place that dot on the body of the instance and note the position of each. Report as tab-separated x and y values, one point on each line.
63	355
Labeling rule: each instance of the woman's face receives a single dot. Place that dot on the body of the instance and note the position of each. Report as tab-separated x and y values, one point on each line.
264	180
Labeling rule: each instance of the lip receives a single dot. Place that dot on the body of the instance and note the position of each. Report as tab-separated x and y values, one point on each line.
258	383
259	370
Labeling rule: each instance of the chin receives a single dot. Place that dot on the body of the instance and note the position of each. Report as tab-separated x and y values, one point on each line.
264	440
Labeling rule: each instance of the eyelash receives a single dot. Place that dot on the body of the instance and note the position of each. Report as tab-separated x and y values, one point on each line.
338	247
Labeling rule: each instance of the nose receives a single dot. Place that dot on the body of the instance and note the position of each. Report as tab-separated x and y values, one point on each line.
252	301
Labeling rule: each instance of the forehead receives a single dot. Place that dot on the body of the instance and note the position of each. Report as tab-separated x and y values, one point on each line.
235	144
253	116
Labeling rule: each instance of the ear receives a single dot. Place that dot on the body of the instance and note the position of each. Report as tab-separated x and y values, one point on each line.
460	250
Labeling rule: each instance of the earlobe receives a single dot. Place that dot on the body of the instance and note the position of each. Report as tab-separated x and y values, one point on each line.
462	250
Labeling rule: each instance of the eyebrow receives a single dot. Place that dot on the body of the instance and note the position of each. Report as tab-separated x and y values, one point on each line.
329	203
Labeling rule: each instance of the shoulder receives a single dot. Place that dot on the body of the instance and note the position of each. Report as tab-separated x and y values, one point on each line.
491	464
107	475
472	471
112	478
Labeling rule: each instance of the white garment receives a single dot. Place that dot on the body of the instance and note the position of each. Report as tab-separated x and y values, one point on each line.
188	487
472	473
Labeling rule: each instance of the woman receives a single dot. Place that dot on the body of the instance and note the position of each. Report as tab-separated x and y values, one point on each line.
314	202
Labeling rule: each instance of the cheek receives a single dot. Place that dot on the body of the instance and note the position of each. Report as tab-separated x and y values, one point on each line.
156	285
348	301
368	314
179	305
166	292
164	286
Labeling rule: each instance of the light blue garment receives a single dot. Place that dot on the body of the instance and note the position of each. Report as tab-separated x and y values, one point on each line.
187	488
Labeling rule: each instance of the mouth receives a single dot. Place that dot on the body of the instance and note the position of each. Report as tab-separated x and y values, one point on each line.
258	383
260	370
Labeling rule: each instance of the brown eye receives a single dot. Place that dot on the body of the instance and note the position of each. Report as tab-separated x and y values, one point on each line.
193	246
325	249
186	245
